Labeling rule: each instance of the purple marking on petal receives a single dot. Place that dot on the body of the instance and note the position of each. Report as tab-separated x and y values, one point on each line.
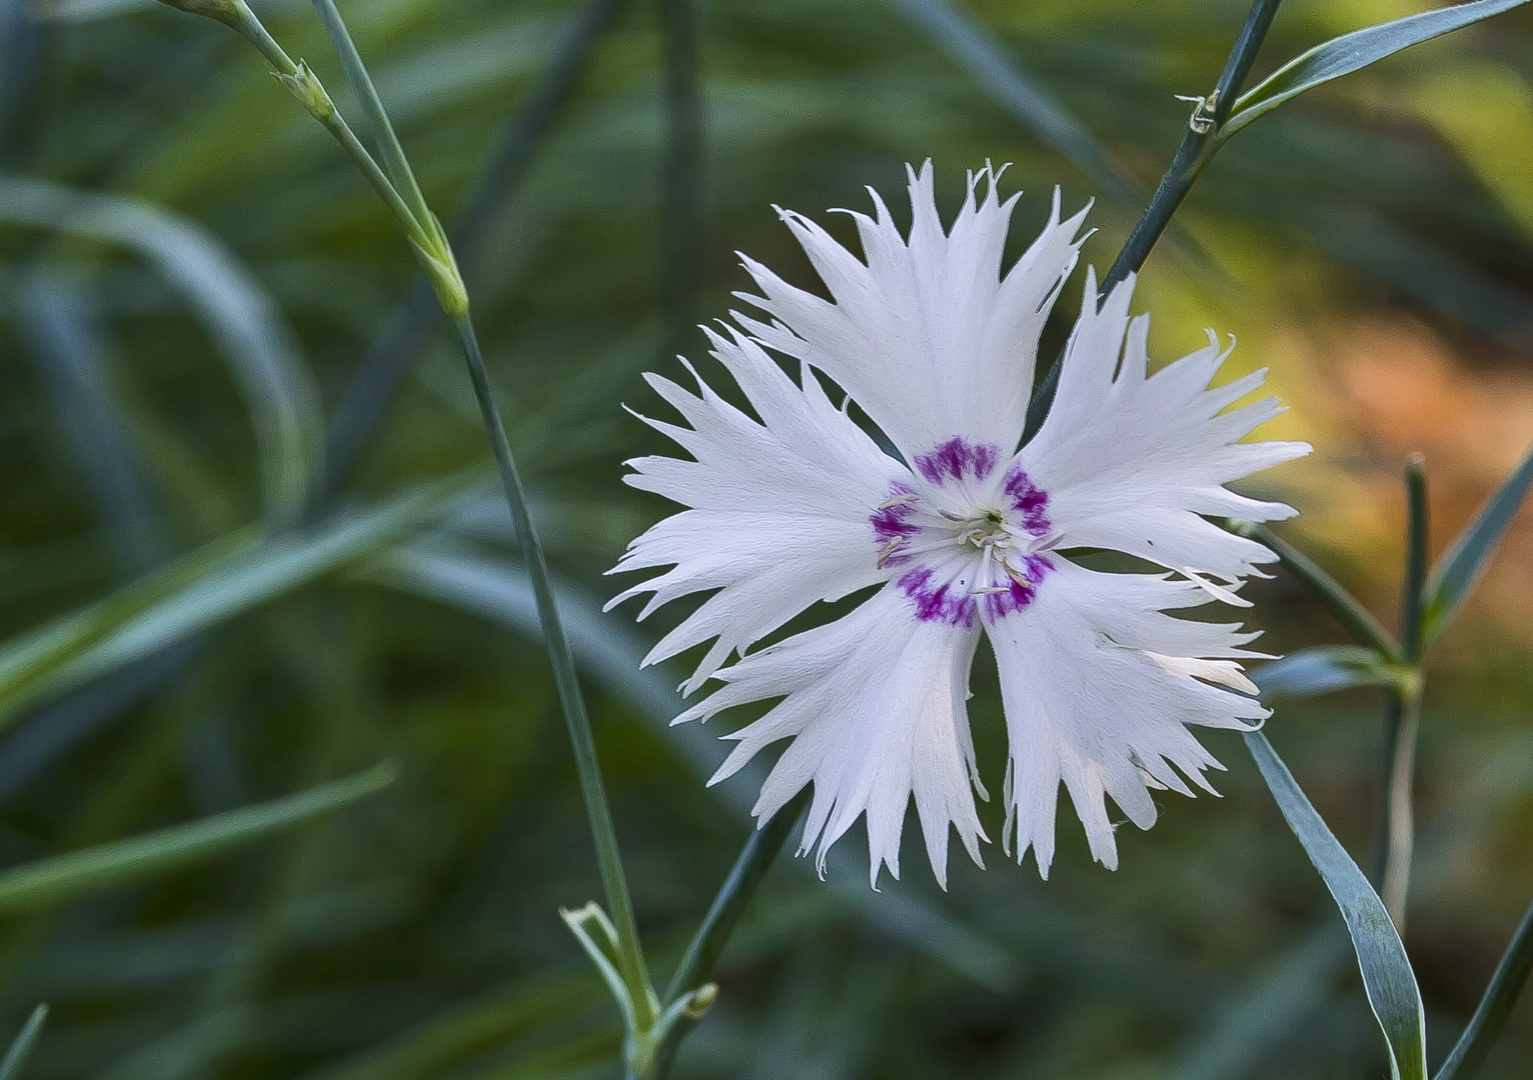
890	522
999	605
952	459
940	603
1029	500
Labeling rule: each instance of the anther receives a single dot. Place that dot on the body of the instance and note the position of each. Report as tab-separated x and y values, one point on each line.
889	549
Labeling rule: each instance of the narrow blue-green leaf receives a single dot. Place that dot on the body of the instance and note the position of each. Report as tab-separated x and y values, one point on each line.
21	1048
1387	975
1352	52
257	345
1325	669
207	587
1463	563
46	883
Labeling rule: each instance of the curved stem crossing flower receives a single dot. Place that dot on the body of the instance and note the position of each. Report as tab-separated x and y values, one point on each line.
964	535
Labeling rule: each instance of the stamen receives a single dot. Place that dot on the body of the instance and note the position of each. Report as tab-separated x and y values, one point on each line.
1016	575
889	549
898	500
984	569
952	541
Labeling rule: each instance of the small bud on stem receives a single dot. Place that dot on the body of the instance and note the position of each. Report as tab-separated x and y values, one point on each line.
310	92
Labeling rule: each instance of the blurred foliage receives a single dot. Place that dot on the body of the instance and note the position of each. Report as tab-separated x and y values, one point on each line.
164	369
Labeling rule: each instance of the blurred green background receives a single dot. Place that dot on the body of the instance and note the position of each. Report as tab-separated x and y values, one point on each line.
167	358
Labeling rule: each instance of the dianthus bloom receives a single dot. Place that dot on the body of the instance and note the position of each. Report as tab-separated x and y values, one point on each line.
964	535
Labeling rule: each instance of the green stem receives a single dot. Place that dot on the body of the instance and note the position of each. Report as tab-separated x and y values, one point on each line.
1491	1014
1402	722
1343	606
1415	558
378	123
1199	145
708	942
1402	715
435	255
372	385
630	958
244	23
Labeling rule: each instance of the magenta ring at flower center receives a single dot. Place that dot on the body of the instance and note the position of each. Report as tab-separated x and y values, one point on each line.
905	530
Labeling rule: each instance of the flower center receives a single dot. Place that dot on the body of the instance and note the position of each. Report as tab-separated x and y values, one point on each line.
965	533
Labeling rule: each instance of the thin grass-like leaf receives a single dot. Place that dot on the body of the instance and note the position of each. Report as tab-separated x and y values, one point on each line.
21	1047
1387	974
210	586
446	1041
260	350
47	883
1352	52
72	354
970	45
1462	564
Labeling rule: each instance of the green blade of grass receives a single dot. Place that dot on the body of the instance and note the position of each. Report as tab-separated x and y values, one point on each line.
256	343
21	1047
47	883
209	586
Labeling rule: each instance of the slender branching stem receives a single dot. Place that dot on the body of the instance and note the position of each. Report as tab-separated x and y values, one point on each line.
372	385
707	944
304	85
1199	145
631	963
387	142
1402	713
432	249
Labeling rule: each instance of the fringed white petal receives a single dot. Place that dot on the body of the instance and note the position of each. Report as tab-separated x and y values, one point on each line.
779	512
874	704
925	335
1131	462
1099	685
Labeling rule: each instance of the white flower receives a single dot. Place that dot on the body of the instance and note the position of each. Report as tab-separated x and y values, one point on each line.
965	535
